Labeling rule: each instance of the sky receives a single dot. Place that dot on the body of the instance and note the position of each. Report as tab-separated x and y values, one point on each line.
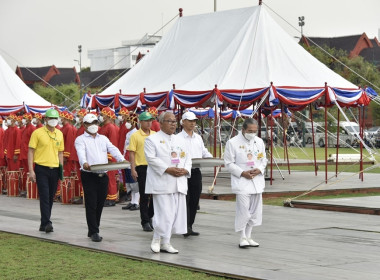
36	33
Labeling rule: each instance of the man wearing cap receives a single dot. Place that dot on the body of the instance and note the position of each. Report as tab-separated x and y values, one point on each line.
245	158
37	120
139	167
198	150
155	123
69	135
92	148
169	166
25	137
111	131
130	183
46	152
12	143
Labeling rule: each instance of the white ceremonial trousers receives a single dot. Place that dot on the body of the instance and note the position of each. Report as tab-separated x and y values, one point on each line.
242	155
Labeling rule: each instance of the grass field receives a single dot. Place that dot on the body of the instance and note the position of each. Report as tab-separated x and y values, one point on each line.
30	258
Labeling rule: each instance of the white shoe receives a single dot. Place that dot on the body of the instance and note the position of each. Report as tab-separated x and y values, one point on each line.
243	243
168	249
155	246
252	243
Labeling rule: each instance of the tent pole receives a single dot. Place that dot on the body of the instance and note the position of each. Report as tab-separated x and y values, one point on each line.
361	130
312	132
337	146
271	146
326	143
215	123
286	154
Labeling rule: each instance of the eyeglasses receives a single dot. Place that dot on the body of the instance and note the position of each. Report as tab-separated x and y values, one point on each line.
170	121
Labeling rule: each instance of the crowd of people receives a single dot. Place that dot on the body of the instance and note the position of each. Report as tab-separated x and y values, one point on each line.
163	185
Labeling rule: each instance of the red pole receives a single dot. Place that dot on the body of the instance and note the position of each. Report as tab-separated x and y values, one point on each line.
284	141
271	146
215	123
312	132
337	146
326	143
361	130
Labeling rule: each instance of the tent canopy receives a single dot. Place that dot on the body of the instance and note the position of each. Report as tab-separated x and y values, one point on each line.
15	95
235	49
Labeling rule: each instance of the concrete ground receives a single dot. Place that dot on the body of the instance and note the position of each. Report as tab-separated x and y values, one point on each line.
294	243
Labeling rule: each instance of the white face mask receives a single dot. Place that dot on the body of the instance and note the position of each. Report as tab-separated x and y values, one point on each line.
77	120
53	122
128	125
249	136
23	121
93	129
9	122
101	119
34	121
120	118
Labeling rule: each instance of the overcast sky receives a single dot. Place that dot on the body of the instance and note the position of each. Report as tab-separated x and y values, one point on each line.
37	33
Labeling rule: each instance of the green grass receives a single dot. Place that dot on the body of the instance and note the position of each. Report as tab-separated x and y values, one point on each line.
279	201
30	258
308	154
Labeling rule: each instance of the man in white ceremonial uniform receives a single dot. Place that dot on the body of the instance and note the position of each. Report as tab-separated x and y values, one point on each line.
169	166
195	144
245	158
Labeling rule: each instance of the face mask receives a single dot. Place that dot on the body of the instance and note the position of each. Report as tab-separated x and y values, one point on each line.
120	118
249	136
53	122
9	122
23	121
128	125
93	129
101	119
77	120
16	123
34	121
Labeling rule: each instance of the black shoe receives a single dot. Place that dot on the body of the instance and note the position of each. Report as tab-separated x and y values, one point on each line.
109	203
127	206
151	223
78	201
147	227
96	237
191	232
136	207
194	233
49	228
42	228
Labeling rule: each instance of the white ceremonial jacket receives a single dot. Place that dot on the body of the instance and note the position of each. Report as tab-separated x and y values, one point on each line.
163	151
242	155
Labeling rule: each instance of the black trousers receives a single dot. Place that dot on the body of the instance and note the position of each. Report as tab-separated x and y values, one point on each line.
146	200
47	183
194	190
95	189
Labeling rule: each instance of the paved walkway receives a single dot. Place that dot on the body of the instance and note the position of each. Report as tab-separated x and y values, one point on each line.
294	243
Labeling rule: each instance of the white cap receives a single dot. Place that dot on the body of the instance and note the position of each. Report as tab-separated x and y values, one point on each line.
189	116
89	118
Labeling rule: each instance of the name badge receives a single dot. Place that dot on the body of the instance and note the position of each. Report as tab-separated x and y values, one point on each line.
174	157
250	161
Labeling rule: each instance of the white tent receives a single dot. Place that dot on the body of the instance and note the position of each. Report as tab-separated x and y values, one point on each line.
235	49
14	92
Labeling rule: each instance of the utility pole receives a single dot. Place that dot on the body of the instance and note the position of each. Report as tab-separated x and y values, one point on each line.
301	22
80	71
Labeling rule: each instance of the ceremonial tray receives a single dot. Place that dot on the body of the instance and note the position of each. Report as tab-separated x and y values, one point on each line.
111	166
207	162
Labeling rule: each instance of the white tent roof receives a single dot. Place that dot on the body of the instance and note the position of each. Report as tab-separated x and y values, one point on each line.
14	92
235	49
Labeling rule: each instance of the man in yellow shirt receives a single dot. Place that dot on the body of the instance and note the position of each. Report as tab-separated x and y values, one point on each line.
46	152
139	167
